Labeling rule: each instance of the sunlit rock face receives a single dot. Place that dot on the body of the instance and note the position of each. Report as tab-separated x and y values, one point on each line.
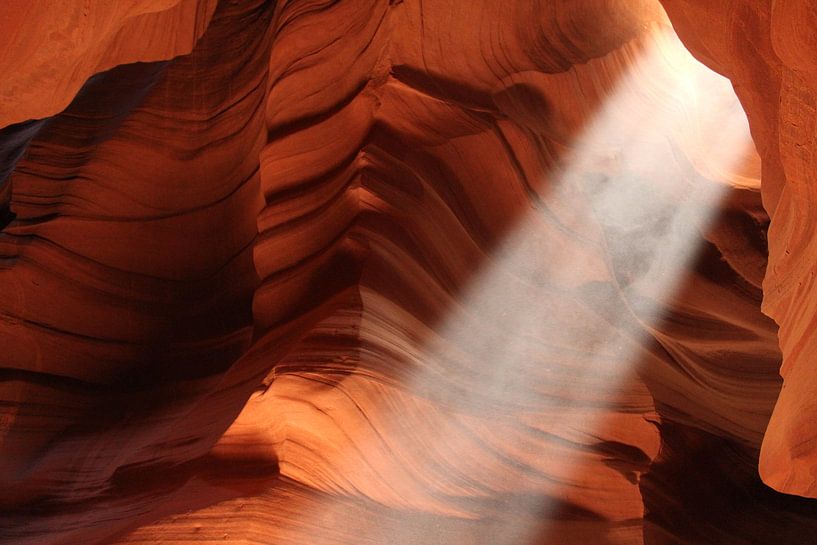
411	272
767	51
79	39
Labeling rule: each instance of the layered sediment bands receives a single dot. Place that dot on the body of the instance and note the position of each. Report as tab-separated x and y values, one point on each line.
766	51
345	274
126	282
13	141
388	201
406	178
85	38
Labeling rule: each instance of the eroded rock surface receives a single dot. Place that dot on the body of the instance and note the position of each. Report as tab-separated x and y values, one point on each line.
340	272
766	51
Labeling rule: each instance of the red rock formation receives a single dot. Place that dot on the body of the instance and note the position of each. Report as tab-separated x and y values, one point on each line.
334	272
765	51
128	275
85	38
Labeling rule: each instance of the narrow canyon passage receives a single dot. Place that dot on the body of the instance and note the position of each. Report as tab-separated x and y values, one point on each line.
405	272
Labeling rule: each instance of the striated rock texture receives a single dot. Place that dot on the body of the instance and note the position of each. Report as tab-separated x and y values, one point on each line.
340	272
766	49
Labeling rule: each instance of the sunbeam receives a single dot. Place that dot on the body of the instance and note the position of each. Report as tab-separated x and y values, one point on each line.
521	407
545	342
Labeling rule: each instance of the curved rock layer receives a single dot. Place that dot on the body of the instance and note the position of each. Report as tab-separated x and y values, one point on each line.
340	275
767	52
85	38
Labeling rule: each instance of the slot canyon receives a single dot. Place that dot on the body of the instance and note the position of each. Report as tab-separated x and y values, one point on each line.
408	272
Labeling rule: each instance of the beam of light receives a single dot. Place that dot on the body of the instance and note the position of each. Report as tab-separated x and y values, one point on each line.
533	345
535	359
